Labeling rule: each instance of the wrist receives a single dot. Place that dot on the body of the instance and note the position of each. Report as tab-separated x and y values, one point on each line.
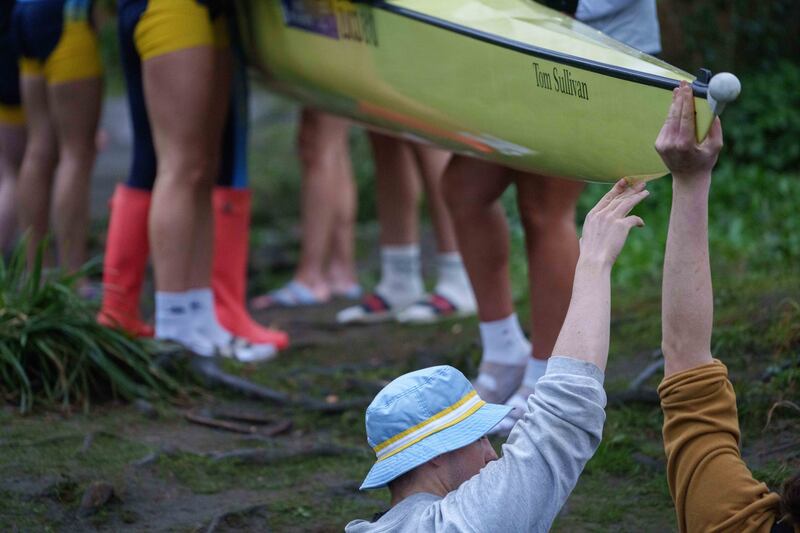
597	265
698	180
691	190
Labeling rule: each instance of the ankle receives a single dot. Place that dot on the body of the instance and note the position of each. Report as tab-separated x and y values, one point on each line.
316	284
504	342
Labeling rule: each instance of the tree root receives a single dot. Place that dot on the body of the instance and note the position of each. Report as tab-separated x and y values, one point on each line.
271	430
208	370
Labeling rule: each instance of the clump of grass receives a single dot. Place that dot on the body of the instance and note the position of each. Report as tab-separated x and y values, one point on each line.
53	352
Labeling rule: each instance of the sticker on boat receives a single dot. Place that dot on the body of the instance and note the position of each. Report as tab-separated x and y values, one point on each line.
338	19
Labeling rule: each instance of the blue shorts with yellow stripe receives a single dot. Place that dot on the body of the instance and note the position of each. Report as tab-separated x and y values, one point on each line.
57	40
151	28
10	103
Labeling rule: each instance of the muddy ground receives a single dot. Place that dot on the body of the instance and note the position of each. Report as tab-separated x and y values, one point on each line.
148	467
170	474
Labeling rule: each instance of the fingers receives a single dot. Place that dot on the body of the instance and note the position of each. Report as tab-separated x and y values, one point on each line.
679	104
713	141
633	221
672	124
670	127
687	127
619	194
624	206
619	187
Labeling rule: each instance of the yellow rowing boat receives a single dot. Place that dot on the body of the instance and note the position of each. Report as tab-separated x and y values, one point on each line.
506	80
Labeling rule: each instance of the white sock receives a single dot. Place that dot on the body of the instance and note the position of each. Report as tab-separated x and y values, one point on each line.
534	371
401	279
201	302
175	321
452	281
504	342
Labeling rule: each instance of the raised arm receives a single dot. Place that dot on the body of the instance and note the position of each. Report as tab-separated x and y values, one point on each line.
550	445
687	300
585	333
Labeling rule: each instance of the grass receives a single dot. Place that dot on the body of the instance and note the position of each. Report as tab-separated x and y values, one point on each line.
622	489
54	353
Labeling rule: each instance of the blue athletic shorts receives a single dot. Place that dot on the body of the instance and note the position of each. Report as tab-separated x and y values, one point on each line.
56	39
10	102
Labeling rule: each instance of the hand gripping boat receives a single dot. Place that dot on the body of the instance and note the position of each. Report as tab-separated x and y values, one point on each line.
510	81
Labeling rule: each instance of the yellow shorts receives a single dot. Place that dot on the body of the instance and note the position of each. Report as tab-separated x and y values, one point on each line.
170	25
75	57
12	115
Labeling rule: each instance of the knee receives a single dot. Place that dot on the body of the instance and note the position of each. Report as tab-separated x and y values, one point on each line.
539	220
41	151
193	171
548	210
77	154
462	206
316	154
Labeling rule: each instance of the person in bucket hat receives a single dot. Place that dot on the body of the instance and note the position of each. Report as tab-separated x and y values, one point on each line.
428	428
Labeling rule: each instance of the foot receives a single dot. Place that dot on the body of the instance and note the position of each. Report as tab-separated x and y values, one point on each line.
293	294
434	308
373	308
496	382
192	340
349	291
247	352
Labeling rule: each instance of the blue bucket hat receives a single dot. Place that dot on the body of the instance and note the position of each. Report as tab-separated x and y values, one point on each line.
421	415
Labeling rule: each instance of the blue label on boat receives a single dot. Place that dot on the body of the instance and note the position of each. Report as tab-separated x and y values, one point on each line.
337	19
316	16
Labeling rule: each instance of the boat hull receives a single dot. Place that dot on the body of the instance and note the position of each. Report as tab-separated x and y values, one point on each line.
505	80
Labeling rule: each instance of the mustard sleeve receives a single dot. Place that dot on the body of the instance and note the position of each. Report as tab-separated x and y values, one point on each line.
712	488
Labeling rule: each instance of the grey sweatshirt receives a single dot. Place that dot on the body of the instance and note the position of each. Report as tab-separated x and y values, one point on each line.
540	464
634	22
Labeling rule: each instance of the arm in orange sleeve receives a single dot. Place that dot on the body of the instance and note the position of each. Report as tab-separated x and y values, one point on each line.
712	488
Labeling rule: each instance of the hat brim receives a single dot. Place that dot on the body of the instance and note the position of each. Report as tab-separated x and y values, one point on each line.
457	436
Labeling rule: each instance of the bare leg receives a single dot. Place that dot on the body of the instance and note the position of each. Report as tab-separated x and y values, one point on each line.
36	173
432	163
397	192
547	210
398	189
203	247
341	273
75	108
178	91
325	158
12	149
471	188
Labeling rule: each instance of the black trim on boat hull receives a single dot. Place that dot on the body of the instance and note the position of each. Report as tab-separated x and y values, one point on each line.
700	89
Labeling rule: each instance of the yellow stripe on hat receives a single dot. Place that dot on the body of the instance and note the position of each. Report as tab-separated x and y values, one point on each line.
436	429
424	423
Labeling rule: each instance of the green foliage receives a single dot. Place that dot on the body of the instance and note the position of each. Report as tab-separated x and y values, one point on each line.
53	351
765	121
